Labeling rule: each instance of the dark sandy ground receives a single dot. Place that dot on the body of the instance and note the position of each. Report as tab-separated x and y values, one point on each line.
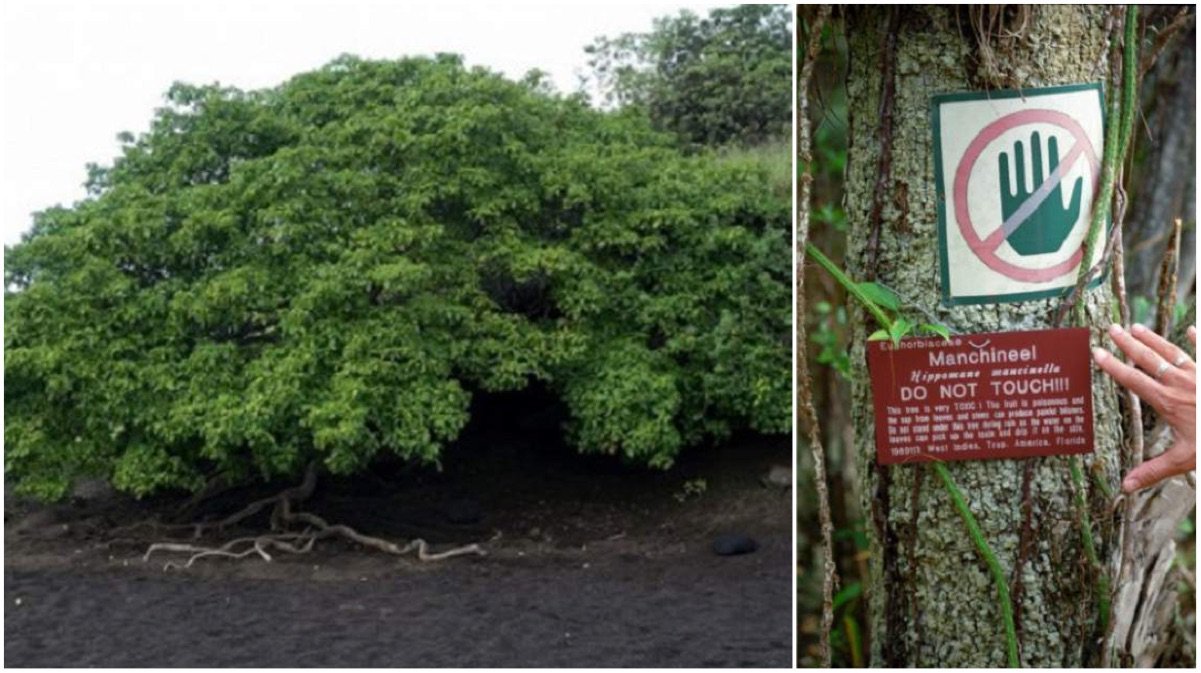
589	564
613	613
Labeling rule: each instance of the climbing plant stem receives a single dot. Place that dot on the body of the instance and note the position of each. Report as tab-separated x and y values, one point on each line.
1119	122
849	284
1129	79
990	559
1090	547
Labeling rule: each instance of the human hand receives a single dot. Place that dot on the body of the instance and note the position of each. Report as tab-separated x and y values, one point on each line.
1168	382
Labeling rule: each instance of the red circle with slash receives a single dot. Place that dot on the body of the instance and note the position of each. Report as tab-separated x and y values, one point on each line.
986	248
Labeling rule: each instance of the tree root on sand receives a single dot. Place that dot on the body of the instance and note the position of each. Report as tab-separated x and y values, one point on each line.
280	540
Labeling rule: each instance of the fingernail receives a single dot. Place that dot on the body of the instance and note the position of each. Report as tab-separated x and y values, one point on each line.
1115	329
1100	354
1130	486
1137	328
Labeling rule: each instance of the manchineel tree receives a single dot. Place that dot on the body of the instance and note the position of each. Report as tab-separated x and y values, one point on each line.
1030	562
327	271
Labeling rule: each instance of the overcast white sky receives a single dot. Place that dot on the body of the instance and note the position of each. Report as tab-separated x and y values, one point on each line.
74	73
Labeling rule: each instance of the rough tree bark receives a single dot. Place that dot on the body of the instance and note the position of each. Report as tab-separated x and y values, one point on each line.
931	599
1165	185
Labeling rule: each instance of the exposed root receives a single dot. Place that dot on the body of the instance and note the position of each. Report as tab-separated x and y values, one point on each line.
325	529
282	515
257	545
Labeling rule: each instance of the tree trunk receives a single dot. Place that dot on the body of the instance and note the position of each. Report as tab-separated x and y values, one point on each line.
932	601
1164	184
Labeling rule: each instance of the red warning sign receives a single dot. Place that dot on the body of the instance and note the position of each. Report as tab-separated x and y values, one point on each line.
978	396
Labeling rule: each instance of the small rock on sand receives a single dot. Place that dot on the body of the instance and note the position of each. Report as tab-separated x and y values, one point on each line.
733	544
779	476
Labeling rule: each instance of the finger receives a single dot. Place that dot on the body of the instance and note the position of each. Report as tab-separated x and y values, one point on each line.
1019	162
1176	460
1166	349
1052	153
1074	206
1003	170
1148	389
1146	359
1036	158
1192	335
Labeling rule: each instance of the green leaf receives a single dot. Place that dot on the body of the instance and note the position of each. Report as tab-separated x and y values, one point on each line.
940	330
899	328
878	335
852	287
1186	526
847	594
880	295
831	215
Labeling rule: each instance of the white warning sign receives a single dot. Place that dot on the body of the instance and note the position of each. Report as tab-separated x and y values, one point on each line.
1016	172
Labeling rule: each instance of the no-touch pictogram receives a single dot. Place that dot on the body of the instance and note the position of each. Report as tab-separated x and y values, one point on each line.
1015	172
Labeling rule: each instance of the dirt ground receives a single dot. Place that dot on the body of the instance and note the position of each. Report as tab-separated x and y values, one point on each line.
589	563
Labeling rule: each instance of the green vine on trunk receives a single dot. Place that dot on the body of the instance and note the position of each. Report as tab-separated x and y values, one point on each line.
1119	124
1090	549
990	559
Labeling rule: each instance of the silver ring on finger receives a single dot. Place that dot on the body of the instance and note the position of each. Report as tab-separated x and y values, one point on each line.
1180	359
1163	367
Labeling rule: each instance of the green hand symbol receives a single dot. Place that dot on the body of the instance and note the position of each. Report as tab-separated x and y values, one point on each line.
1035	222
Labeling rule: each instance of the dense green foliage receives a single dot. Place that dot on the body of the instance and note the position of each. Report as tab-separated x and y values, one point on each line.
331	269
725	78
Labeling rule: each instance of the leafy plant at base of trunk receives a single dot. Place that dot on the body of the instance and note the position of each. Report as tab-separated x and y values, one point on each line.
328	270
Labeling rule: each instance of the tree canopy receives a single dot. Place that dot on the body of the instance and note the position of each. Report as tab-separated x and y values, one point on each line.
330	269
715	80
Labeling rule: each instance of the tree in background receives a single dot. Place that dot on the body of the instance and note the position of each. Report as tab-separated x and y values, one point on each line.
722	79
325	272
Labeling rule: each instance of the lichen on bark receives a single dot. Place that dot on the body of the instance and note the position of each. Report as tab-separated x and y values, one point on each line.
946	614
